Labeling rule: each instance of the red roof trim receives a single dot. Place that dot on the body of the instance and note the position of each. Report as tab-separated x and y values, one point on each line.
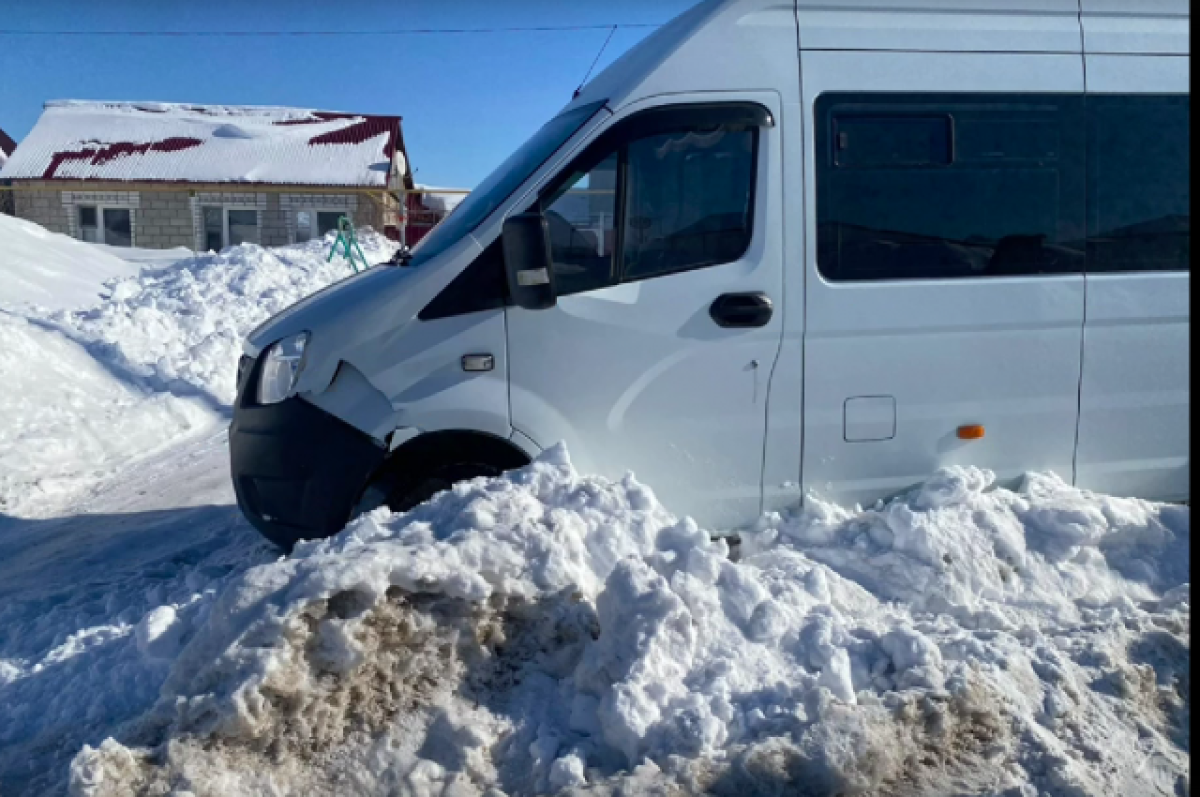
360	132
101	155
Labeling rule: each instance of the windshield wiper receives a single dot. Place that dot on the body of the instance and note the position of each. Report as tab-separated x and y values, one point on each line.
400	257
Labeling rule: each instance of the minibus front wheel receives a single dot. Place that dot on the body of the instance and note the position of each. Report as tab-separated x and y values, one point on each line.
436	461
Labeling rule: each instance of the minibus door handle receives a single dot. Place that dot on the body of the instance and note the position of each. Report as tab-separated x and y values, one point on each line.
741	310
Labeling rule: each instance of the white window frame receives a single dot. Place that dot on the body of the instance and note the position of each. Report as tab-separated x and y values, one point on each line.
100	208
225	208
313	225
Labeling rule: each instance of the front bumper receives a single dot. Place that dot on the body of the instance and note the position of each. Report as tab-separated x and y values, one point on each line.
297	470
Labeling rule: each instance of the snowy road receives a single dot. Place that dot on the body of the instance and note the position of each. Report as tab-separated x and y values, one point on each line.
75	589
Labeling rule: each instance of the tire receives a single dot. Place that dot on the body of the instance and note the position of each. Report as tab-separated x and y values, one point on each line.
435	461
405	496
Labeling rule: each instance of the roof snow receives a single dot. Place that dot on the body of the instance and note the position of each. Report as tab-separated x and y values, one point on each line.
75	140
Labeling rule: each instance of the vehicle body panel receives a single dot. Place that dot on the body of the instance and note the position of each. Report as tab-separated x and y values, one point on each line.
1134	425
1000	352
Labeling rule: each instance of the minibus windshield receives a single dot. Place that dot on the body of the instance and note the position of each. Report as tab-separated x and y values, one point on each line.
488	196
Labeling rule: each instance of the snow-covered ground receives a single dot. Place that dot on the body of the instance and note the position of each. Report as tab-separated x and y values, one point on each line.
542	632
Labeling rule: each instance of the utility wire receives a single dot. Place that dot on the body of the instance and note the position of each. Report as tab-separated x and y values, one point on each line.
382	32
595	61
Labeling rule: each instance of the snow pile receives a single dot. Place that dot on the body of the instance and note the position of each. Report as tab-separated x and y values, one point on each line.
69	418
546	632
39	267
180	329
154	361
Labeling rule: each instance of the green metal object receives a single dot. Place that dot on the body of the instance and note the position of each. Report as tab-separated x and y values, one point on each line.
348	241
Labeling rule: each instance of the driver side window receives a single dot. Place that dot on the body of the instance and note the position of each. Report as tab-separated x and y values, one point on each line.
667	191
582	233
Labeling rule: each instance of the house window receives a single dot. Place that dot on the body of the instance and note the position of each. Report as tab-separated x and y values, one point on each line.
304	225
242	226
315	223
327	220
223	226
116	229
89	228
214	228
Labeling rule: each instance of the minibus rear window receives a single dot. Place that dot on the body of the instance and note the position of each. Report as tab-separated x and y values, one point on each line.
949	186
891	141
1139	216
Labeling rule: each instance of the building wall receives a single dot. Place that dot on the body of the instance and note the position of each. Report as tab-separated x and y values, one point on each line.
166	219
291	204
42	207
275	223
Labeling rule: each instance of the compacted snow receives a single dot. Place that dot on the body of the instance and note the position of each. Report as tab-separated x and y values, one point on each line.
546	631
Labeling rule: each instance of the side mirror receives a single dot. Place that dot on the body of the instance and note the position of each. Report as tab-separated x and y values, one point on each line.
526	239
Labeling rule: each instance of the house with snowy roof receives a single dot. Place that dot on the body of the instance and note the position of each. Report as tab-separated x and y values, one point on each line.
160	175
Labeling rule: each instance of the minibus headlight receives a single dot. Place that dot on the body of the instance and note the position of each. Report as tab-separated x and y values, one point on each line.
281	367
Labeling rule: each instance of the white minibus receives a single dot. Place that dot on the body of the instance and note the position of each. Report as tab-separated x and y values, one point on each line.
778	248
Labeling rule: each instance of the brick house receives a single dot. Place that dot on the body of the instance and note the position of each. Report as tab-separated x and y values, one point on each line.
159	175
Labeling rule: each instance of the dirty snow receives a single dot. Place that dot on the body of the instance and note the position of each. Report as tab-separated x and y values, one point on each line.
547	631
543	632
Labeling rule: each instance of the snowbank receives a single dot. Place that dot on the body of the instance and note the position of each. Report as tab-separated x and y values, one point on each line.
89	389
69	419
39	267
546	632
147	258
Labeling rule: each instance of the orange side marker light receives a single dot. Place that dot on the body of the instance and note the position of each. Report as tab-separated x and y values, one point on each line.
970	432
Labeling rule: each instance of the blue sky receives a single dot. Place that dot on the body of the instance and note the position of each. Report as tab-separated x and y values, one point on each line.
467	99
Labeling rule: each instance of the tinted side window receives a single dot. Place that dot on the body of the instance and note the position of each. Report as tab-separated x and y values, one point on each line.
688	200
1139	215
580	216
480	286
665	190
927	186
